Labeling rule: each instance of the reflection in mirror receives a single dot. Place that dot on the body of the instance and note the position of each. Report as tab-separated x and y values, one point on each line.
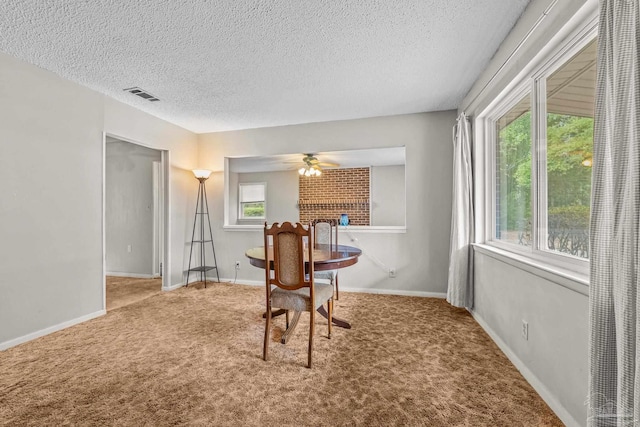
366	185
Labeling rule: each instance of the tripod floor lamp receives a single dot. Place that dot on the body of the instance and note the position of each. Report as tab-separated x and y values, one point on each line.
201	240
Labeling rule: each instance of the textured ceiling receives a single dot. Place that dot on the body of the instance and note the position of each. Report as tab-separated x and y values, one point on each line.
238	64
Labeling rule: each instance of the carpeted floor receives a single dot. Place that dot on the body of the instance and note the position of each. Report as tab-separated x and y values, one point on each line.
123	291
193	357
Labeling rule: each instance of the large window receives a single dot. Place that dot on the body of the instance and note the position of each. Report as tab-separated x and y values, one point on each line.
252	200
543	144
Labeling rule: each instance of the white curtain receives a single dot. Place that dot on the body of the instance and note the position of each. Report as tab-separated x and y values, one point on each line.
460	283
614	377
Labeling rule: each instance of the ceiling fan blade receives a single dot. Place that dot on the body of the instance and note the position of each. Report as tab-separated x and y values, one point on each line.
328	165
311	160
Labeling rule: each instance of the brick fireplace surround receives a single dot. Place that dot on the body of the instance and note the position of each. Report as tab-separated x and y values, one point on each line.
335	192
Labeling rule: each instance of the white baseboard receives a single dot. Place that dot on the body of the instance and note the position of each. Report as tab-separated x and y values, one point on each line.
442	295
194	280
46	331
134	275
172	287
242	282
538	386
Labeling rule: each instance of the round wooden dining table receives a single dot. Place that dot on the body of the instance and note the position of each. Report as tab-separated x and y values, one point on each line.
325	257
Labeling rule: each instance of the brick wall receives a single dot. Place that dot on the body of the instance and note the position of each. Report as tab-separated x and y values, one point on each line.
335	192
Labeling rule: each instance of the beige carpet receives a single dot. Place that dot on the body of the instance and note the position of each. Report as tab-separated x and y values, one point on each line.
193	357
123	291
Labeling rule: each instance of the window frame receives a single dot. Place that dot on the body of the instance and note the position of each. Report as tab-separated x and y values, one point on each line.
532	83
241	216
512	99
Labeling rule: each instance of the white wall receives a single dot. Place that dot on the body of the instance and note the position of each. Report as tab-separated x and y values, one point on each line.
51	189
554	358
281	197
388	199
420	255
50	200
129	208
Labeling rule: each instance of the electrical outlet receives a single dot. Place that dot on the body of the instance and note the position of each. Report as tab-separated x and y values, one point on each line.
392	272
237	265
128	248
525	330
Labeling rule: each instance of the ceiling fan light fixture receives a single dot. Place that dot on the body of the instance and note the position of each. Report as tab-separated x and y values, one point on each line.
311	166
309	171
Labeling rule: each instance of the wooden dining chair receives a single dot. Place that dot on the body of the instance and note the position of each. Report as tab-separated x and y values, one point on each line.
325	231
289	284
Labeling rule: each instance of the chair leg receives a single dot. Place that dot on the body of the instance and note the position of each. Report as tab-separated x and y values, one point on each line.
267	327
330	315
311	333
337	291
286	316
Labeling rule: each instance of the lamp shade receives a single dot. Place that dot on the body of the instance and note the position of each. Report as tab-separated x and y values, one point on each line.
202	173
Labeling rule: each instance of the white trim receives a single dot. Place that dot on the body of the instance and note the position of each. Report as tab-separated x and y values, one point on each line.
440	295
196	278
165	156
103	208
172	287
134	275
531	378
51	329
158	217
569	279
226	194
165	164
243	282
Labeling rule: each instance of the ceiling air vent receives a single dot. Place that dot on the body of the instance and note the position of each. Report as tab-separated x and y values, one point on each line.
142	93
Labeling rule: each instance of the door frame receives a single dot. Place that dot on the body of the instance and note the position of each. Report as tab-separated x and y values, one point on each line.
165	201
157	263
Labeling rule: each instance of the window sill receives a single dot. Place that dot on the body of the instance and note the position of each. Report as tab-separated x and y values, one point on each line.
355	229
573	280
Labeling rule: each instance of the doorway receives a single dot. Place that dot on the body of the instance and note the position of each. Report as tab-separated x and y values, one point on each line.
134	221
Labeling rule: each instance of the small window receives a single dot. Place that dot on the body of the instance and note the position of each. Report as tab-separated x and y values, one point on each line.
252	199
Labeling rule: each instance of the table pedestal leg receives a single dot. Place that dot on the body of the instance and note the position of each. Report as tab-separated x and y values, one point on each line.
292	325
296	317
335	320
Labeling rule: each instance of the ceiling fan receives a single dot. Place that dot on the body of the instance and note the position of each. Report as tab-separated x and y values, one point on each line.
313	166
